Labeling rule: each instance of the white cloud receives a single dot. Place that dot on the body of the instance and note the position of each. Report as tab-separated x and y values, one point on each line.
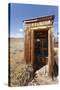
21	30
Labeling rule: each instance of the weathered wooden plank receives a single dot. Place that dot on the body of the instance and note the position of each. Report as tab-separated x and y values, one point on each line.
32	45
50	53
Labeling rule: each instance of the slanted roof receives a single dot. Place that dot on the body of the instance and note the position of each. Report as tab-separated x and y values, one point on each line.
39	19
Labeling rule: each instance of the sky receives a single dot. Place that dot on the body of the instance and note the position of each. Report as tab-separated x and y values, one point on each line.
20	12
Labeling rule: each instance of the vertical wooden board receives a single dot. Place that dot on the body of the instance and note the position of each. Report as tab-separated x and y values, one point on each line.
27	46
32	46
50	53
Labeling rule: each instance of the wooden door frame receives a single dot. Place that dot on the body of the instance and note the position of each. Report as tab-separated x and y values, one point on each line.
32	42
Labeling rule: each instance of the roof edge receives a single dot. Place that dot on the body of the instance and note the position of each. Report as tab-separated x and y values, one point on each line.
43	18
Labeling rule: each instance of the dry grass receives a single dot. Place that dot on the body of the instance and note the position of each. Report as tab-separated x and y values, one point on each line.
18	75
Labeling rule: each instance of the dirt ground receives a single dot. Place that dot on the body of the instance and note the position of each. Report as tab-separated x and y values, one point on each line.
42	78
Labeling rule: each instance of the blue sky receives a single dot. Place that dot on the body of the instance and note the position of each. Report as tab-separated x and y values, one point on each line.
20	12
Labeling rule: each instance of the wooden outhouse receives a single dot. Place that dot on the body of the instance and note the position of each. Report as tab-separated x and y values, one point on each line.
39	41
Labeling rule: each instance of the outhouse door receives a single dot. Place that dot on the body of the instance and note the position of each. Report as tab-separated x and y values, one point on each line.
40	48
